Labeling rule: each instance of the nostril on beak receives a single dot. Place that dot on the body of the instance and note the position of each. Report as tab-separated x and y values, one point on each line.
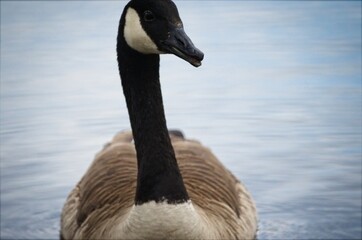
181	42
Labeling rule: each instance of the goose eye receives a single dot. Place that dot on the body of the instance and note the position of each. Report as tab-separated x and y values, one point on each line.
148	16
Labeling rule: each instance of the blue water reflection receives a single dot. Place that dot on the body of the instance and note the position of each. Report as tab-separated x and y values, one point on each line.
278	99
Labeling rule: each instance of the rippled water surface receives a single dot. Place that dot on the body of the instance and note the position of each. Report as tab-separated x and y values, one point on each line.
278	99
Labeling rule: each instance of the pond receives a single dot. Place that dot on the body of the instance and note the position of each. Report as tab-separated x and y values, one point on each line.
277	99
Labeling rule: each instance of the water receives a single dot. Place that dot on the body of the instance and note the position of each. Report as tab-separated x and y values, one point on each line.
278	99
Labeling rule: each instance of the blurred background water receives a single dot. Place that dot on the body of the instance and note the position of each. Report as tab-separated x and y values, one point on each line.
278	99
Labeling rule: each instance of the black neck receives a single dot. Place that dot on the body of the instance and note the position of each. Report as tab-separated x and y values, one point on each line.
159	177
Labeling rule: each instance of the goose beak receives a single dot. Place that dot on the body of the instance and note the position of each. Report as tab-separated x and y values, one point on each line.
180	44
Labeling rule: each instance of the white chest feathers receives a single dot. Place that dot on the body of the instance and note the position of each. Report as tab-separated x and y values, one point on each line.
135	35
163	221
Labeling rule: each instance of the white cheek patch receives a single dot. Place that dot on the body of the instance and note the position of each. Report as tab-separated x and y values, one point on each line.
135	35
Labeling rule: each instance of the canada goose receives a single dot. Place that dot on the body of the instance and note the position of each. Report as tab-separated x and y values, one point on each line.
162	185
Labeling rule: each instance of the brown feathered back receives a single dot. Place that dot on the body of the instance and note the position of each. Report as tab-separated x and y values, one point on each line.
107	190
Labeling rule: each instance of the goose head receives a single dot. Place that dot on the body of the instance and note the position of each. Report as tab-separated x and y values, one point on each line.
155	27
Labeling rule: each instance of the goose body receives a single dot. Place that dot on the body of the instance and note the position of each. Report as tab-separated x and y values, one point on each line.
150	183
